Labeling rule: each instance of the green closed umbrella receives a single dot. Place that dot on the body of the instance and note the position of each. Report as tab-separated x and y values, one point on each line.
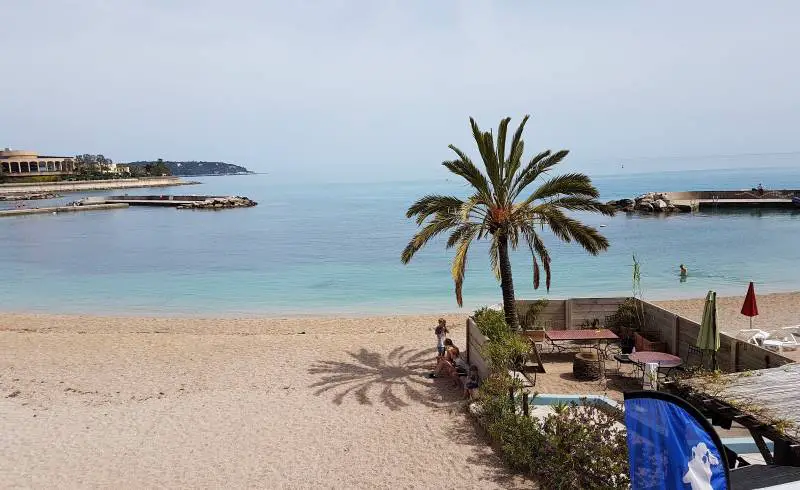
708	337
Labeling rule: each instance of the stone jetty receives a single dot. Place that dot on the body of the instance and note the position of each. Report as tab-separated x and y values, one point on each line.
651	202
28	196
220	203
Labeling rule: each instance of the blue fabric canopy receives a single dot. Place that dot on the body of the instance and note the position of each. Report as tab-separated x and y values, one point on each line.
671	446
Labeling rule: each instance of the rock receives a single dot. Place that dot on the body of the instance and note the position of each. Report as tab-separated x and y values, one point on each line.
626	202
649	196
683	208
613	203
660	205
629	209
645	207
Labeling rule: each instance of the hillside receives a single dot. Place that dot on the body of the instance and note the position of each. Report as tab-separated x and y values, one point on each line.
197	168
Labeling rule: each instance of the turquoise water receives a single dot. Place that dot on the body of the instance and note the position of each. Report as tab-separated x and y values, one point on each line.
334	248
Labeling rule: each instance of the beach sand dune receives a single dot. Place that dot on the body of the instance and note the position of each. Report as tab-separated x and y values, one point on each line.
145	402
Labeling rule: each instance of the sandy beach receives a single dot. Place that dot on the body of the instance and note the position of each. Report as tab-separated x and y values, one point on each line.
276	402
775	311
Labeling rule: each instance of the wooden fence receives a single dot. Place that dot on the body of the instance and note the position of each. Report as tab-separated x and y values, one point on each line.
679	333
676	332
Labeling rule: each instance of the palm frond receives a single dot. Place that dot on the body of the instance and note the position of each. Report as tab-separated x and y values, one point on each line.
463	230
528	174
471	208
432	204
440	223
566	185
537	247
485	143
568	229
463	167
459	267
584	204
494	257
502	131
515	151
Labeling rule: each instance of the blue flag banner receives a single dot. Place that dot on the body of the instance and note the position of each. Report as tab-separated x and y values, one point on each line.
671	446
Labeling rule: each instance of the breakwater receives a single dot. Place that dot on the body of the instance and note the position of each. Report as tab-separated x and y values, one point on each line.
180	202
90	185
669	202
60	209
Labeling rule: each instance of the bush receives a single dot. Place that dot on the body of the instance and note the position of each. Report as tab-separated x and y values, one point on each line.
529	318
505	348
491	323
627	317
576	447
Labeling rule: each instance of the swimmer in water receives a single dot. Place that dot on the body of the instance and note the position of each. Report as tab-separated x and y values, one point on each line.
684	272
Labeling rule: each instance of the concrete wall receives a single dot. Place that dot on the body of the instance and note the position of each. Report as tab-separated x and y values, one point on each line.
742	194
475	341
570	314
89	185
679	333
676	332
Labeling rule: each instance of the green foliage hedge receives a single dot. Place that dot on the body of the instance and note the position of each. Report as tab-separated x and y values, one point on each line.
575	447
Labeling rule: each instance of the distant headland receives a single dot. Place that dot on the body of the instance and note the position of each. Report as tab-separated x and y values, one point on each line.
194	168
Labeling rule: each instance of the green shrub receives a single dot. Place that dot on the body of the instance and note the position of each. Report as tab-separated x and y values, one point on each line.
505	349
530	316
491	323
628	316
576	447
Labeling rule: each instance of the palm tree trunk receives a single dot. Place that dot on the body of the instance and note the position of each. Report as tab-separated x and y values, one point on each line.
507	284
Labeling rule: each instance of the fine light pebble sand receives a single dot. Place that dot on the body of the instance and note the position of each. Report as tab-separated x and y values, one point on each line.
183	402
164	402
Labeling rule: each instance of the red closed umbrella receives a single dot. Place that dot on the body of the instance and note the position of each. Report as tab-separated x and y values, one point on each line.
750	308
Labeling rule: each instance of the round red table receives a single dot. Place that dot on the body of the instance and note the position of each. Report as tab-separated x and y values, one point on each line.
663	359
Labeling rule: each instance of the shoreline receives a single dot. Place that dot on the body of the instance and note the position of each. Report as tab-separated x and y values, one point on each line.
22	188
366	314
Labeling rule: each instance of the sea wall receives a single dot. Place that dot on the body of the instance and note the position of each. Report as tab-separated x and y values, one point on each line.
90	185
60	209
741	194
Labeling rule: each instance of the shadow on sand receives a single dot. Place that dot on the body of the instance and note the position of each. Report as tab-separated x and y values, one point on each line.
397	377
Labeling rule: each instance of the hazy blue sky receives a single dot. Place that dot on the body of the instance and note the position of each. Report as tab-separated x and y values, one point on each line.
377	89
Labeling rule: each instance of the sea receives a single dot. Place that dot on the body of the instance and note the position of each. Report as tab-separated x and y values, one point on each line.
334	248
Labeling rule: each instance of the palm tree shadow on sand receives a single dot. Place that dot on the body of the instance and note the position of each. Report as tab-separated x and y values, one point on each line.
397	378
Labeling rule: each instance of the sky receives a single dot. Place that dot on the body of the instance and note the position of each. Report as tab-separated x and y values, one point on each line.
376	90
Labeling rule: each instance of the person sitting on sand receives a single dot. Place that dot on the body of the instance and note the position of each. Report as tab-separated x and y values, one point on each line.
441	334
472	382
450	364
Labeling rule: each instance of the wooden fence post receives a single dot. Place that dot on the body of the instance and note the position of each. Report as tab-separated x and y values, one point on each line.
735	356
468	349
568	314
676	351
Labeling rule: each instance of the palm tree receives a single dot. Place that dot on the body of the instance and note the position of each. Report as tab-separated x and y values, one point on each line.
502	211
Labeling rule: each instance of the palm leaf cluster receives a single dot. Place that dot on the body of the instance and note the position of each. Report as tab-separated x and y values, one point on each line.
504	208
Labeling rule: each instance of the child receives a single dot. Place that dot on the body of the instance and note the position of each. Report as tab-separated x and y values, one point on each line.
473	380
441	334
